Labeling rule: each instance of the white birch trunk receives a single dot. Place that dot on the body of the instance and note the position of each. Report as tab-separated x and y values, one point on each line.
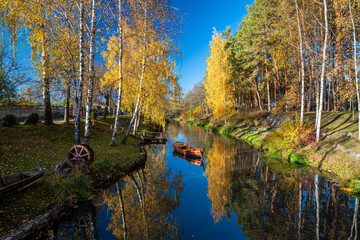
81	75
302	68
118	105
321	89
91	74
355	68
355	217
67	104
137	107
143	64
122	210
141	200
317	207
45	80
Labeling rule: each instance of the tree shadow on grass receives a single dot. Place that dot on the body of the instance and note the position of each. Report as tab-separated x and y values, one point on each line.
332	121
332	149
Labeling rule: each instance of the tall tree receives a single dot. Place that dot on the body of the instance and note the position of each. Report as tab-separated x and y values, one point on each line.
34	16
217	83
155	24
91	77
355	65
80	84
302	67
321	88
120	70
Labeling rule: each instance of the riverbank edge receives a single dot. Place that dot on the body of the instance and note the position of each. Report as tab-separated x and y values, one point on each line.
344	172
42	222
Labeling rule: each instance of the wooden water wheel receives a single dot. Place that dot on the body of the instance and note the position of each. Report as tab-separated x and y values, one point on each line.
80	155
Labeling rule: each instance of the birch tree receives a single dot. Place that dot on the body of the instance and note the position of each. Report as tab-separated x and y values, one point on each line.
355	66
34	17
154	22
321	88
302	67
91	73
120	70
80	84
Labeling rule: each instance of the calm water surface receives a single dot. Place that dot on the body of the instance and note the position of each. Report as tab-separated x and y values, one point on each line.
234	194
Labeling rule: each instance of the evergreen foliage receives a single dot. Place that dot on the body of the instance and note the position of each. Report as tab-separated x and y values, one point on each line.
94	114
33	118
9	120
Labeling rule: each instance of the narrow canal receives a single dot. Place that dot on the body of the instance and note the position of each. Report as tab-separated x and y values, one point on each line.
236	194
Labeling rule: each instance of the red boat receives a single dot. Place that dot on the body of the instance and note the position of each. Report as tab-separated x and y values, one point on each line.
187	150
195	161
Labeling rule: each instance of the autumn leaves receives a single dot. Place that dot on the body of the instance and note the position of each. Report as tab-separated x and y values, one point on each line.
84	50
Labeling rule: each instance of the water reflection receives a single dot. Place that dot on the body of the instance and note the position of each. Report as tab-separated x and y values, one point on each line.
239	195
272	204
142	207
80	224
270	200
219	164
196	161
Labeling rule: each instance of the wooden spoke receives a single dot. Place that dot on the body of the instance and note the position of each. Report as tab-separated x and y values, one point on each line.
80	154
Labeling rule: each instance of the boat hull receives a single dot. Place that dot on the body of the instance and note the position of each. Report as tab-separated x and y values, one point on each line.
187	151
196	160
14	183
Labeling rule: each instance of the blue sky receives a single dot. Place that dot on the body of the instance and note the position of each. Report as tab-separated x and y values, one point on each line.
201	17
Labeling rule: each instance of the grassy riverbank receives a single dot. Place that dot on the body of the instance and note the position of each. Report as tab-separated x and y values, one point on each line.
24	147
338	153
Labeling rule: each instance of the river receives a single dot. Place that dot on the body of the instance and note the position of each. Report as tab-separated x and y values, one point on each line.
235	193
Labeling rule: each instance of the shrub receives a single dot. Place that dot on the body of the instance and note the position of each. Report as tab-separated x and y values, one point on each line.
208	127
105	169
296	159
94	114
101	169
356	189
117	169
225	130
77	184
33	118
289	136
9	120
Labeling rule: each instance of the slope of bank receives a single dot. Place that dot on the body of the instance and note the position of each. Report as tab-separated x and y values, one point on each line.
337	154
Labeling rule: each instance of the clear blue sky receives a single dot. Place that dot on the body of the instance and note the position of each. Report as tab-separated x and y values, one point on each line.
200	18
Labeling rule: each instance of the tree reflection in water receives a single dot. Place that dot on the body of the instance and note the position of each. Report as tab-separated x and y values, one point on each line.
273	201
143	207
79	225
219	162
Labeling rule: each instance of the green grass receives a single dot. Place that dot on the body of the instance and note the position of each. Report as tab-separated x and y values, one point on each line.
24	147
330	161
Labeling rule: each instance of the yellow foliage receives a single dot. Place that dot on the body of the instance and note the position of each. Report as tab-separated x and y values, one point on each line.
148	199
196	111
218	76
159	80
220	160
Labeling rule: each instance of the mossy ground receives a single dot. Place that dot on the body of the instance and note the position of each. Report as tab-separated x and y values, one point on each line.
25	147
